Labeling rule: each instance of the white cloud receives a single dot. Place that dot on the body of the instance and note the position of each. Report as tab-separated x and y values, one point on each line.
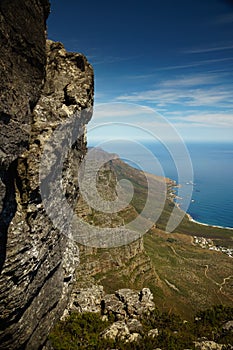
210	119
192	97
118	110
210	49
184	81
202	90
196	64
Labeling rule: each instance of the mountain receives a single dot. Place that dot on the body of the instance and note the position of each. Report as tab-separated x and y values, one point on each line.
52	240
183	276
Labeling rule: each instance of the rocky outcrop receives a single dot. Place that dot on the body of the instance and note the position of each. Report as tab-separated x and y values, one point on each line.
120	331
208	345
126	303
37	259
228	326
87	299
125	306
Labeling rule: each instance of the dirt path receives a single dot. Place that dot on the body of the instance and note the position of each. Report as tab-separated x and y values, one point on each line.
220	285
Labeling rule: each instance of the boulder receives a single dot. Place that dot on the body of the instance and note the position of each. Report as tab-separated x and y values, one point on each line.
208	345
118	330
153	333
136	303
228	326
88	299
135	326
134	337
111	305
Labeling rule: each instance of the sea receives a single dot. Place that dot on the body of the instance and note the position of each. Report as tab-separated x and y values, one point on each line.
207	168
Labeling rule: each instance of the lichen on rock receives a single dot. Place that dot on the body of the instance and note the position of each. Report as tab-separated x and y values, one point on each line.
37	260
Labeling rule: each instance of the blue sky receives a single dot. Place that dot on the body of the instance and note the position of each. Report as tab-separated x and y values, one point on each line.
175	57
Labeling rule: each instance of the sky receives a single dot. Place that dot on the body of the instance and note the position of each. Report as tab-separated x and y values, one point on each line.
154	61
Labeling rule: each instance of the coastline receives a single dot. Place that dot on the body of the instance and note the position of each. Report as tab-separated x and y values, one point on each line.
203	224
189	215
172	186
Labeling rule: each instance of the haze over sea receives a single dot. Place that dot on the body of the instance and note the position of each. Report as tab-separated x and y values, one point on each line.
212	198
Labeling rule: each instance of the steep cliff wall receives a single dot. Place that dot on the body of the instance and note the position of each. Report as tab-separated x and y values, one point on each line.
37	260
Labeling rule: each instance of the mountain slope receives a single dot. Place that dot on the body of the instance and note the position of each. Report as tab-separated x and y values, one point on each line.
184	278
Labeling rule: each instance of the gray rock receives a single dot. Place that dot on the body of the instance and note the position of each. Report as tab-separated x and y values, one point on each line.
228	326
145	296
208	345
135	326
153	333
111	305
23	60
136	303
118	330
127	303
88	299
132	338
37	260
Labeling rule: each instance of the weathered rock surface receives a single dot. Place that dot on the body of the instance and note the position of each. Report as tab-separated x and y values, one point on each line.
23	58
87	299
22	73
208	345
124	304
120	330
117	330
228	326
37	259
153	333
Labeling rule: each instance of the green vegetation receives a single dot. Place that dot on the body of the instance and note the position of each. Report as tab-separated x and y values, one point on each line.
82	331
209	323
183	277
117	170
221	236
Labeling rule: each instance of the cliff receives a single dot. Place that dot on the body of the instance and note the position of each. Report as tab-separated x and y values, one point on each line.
42	87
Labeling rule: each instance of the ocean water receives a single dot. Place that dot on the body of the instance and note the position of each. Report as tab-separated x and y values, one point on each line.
212	181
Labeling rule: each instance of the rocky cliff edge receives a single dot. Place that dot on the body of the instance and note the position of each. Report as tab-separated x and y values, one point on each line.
42	86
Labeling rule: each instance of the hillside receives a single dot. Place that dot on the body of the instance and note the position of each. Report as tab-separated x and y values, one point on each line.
183	276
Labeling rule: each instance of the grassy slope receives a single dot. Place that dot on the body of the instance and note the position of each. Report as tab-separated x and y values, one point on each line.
184	278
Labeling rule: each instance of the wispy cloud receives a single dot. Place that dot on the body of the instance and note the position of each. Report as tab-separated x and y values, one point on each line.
185	81
208	91
209	49
182	97
196	64
206	119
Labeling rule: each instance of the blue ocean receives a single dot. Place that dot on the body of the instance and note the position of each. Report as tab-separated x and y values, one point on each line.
212	181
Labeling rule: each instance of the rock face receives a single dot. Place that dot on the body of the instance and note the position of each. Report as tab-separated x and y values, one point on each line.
37	259
22	58
125	306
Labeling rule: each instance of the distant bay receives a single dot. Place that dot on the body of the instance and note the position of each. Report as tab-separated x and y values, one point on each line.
212	197
213	183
